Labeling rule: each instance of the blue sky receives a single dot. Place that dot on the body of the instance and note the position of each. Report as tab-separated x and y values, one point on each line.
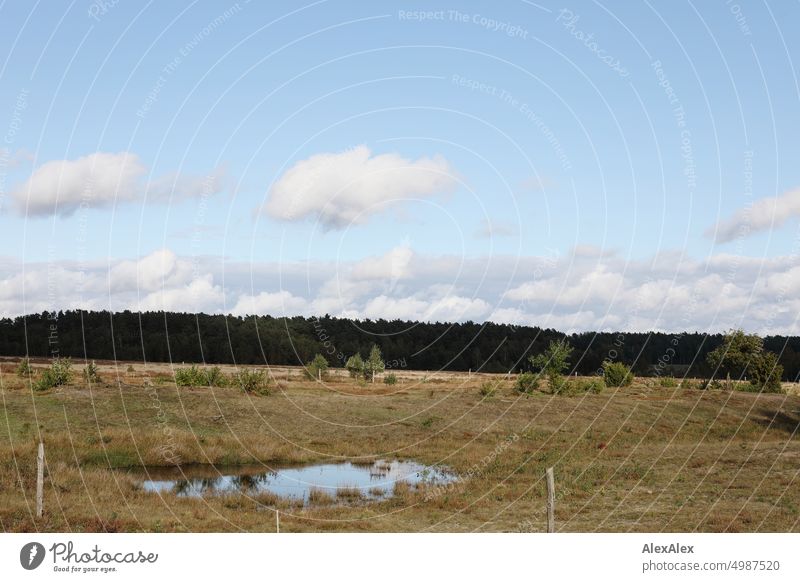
593	137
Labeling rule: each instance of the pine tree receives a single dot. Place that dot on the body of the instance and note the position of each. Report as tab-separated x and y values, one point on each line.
374	364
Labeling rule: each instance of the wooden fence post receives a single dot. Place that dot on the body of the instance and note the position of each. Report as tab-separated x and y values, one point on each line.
277	521
40	480
551	502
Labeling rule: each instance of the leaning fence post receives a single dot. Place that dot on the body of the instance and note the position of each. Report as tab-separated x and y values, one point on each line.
551	502
277	521
40	480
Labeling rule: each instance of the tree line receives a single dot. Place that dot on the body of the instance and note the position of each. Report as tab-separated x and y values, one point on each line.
487	347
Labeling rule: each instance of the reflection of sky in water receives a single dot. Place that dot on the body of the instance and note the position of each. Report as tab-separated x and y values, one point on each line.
374	480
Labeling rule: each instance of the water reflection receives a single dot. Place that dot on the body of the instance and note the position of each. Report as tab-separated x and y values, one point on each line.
340	481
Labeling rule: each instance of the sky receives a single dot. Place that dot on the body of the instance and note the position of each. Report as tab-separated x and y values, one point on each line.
578	166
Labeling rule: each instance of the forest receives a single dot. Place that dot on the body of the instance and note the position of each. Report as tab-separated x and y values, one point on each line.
266	340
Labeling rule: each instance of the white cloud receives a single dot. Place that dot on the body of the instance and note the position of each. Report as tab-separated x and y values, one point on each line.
393	266
599	284
348	187
200	294
576	292
103	179
764	214
446	308
175	187
277	303
62	186
149	273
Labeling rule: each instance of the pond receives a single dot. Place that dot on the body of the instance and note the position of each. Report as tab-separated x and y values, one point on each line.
324	482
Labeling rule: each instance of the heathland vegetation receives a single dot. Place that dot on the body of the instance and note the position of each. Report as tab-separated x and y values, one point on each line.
631	453
649	456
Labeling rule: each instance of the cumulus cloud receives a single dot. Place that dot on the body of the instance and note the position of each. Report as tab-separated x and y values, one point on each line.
102	179
98	179
348	187
764	214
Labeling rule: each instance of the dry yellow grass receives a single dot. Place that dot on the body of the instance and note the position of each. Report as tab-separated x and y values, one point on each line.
642	458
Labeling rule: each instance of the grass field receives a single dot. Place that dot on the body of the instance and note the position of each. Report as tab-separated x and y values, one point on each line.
640	458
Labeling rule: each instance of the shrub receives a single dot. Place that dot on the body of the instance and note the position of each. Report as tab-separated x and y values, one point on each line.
187	376
317	368
90	373
575	386
667	382
558	384
355	366
766	372
390	379
595	385
527	382
58	374
252	382
617	374
488	389
25	370
213	377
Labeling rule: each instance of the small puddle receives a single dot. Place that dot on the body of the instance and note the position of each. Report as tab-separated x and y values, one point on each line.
320	483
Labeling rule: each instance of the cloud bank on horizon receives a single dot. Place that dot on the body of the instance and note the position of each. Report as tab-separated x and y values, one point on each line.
580	291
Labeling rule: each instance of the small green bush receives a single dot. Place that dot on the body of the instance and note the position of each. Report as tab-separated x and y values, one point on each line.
317	369
766	372
194	376
187	376
91	374
214	377
572	387
45	382
527	382
617	374
488	389
252	382
390	379
595	385
25	370
558	384
667	382
58	374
